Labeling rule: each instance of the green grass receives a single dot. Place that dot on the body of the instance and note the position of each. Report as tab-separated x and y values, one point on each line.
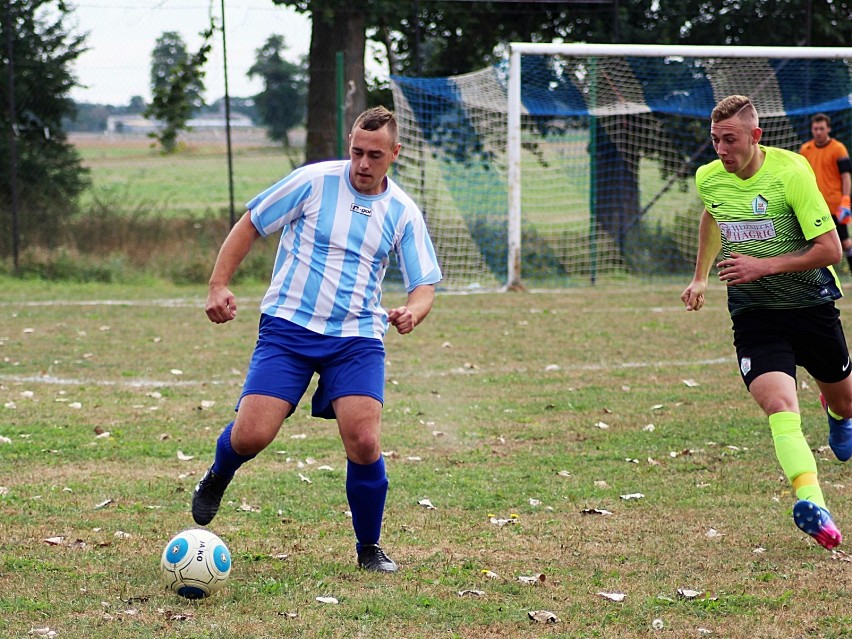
496	394
190	183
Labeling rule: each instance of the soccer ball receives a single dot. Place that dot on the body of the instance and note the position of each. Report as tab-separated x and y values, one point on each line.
195	563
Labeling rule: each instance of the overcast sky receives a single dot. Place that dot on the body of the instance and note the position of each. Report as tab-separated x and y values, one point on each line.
122	34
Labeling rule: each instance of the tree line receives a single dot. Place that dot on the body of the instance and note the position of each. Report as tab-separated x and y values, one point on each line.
42	172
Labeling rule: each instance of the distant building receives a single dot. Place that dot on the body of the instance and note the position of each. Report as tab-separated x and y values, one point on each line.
139	124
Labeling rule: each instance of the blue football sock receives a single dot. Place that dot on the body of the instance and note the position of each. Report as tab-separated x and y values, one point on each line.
366	490
227	461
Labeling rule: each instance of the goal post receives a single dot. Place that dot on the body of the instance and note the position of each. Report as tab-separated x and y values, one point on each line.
567	163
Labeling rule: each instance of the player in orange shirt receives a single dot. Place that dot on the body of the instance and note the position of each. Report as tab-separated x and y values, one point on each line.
830	161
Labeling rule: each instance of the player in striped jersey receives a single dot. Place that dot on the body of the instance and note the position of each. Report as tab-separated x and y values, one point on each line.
339	223
763	210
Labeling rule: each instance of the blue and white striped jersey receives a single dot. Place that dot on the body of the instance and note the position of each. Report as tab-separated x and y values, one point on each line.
334	249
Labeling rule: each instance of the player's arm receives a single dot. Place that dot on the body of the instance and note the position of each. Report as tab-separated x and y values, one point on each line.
415	310
221	305
823	250
844	211
709	243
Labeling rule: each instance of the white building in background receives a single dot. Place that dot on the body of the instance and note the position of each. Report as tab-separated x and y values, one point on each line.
119	124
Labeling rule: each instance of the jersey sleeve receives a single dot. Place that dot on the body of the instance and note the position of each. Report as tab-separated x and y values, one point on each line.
281	203
416	253
807	202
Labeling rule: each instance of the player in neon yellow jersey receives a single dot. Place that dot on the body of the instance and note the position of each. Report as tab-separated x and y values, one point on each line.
763	210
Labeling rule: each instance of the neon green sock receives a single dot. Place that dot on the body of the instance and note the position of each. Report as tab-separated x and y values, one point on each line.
794	454
833	414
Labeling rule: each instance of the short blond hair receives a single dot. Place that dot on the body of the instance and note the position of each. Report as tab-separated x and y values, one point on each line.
735	106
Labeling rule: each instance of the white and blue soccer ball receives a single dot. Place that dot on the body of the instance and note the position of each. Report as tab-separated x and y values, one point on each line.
195	563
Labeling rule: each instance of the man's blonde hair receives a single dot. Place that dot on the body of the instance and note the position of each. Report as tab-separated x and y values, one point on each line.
735	106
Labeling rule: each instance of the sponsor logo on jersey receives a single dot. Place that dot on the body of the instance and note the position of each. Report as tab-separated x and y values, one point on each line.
745	365
716	205
747	231
363	210
760	205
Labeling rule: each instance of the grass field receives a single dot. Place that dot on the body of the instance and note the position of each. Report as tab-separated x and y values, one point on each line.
527	407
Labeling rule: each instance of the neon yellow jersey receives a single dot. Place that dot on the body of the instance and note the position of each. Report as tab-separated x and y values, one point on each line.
775	211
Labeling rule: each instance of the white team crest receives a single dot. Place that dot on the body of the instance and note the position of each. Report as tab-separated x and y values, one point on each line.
759	205
745	365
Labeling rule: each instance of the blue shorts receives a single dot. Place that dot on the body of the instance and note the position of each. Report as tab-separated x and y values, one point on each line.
287	356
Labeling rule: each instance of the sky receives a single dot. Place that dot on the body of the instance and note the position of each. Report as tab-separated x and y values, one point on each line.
122	34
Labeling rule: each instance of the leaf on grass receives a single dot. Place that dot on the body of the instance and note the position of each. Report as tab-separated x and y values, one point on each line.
532	579
281	557
601	425
120	534
75	405
552	367
5	440
305	478
325	467
104	435
648	428
472	593
327	600
617	597
759	550
183	456
427	504
631	496
43	632
490	574
595	511
438	433
564	473
176	371
686	593
500	521
54	541
657	406
657	624
543	616
248	508
704	632
79	544
535	502
205	404
631	460
414	458
4	490
10	406
840	555
289	615
712	533
690	383
103	504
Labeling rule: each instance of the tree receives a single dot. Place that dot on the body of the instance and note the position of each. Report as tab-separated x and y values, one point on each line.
177	82
281	104
41	170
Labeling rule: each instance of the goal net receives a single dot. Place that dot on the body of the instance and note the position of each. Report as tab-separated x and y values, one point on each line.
567	164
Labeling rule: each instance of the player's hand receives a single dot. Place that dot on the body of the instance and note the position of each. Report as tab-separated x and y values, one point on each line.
693	296
740	269
843	215
402	319
221	305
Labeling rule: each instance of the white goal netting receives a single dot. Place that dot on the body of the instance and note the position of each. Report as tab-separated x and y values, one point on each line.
608	147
